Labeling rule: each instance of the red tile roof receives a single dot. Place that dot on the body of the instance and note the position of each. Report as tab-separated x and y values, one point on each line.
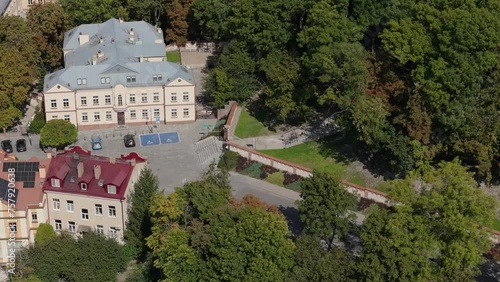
64	167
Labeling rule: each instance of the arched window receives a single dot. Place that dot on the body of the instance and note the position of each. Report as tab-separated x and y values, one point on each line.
120	100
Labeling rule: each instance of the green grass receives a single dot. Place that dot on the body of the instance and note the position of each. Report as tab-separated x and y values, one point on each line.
276	178
308	155
248	126
495	224
174	57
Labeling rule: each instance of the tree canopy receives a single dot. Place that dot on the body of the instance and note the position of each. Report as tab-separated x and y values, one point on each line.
58	132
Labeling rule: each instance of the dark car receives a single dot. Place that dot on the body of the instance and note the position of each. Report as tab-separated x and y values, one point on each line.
129	140
21	145
7	146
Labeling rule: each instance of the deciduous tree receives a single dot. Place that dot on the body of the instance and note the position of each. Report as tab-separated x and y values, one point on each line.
93	11
58	132
44	233
177	26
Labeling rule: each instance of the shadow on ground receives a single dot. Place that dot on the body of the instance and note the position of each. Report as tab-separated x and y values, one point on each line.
294	223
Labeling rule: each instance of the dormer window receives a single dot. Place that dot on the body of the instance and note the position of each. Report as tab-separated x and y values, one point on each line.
55	182
157	77
111	189
83	186
130	78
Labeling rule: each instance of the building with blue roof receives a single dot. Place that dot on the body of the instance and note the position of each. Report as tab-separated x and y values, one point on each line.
115	74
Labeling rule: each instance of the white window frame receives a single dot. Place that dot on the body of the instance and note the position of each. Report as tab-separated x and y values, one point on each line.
83	186
83	100
184	111
56	204
54	182
85	117
131	98
156	112
72	226
70	206
98	209
85	215
173	113
173	97
53	104
34	217
113	233
58	224
156	97
133	114
97	116
66	103
107	99
95	100
109	115
112	189
185	97
100	229
145	114
111	211
144	97
67	118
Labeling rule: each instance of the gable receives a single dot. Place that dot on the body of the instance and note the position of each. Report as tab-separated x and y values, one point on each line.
117	69
57	88
179	82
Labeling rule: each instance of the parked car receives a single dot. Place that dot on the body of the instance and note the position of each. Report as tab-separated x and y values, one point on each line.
96	143
7	146
128	140
21	145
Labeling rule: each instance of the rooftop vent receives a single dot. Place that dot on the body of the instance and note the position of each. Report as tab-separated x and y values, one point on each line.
73	179
100	183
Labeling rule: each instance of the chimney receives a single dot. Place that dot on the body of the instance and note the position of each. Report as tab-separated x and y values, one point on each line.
121	20
141	59
101	39
79	169
76	156
100	54
49	155
83	38
94	60
112	160
42	171
131	32
132	162
97	171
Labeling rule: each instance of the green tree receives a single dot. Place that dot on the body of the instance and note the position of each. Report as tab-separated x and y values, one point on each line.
93	11
44	233
208	19
315	264
38	121
139	217
58	132
434	235
177	26
148	11
325	208
49	22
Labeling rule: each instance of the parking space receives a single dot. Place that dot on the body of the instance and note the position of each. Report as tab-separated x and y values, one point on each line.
149	139
173	163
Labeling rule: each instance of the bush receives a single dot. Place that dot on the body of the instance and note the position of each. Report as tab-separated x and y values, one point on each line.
253	170
295	186
228	160
242	163
291	178
38	121
58	133
494	253
276	178
267	170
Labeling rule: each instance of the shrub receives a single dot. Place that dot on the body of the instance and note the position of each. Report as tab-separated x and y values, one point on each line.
228	160
242	163
267	170
494	253
253	170
38	122
291	178
276	178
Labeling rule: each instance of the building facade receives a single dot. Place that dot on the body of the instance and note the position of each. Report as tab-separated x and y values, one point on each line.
18	7
88	193
23	205
116	74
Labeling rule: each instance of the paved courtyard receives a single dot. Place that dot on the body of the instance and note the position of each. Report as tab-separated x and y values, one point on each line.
173	163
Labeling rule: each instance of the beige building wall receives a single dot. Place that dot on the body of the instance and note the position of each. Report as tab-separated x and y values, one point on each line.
20	7
60	104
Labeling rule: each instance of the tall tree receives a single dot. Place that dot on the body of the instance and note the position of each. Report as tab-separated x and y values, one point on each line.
58	132
139	217
93	11
177	26
49	22
44	233
208	19
325	208
434	235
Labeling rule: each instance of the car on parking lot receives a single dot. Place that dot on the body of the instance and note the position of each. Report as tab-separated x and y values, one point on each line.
21	145
96	143
129	140
7	146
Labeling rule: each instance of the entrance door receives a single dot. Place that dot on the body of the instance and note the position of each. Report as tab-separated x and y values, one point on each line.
121	118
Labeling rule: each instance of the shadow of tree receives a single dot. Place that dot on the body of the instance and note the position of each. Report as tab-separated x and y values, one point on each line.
258	109
293	218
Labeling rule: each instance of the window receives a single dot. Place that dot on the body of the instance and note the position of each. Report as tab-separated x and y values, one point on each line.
112	232
66	103
84	81
55	182
186	112
30	2
57	204
120	100
160	77
98	209
53	103
105	80
67	118
108	115
132	98
112	211
157	77
81	81
156	112
111	189
185	97
156	97
132	114
12	227
34	217
54	117
58	225
144	97
144	114
130	78
107	99
100	229
71	226
108	80
97	116
173	97
85	214
70	207
83	186
83	101
85	117
174	113
95	100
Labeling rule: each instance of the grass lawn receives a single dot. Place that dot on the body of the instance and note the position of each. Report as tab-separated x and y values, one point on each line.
174	57
308	155
248	126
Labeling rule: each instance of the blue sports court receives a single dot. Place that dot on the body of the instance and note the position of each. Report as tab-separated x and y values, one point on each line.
159	138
